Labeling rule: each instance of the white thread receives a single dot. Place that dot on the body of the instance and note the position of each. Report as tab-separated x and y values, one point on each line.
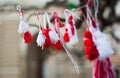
72	60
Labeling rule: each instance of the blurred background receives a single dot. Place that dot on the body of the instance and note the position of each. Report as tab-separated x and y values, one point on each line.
19	60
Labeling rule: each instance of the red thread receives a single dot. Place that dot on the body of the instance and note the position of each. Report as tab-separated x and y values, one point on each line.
47	38
71	25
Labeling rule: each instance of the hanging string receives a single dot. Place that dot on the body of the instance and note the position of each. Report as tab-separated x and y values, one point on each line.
20	10
38	17
79	9
96	4
96	7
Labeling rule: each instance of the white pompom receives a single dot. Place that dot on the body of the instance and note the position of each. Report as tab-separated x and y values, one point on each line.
53	36
102	44
40	39
23	26
104	48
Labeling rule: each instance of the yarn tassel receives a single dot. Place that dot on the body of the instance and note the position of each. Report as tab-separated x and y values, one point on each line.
22	25
66	36
103	69
74	38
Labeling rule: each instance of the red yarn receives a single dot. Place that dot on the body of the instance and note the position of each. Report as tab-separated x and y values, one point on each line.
47	38
66	36
90	4
88	42
72	25
91	53
48	43
28	37
87	34
93	22
92	56
57	45
103	69
88	50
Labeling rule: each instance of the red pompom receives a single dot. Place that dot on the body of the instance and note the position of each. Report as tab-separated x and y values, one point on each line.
88	50
91	57
66	36
28	37
87	34
58	45
47	38
88	42
93	54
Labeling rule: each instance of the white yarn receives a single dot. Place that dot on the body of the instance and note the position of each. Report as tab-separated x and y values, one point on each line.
102	44
53	36
23	26
40	39
69	55
72	60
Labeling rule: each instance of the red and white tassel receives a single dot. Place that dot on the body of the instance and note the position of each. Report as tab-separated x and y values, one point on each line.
52	33
40	38
56	30
74	38
23	29
102	64
27	35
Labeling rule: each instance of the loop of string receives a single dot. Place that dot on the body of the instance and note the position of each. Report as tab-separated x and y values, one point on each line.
46	20
66	16
56	22
72	13
45	16
38	17
86	22
20	10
